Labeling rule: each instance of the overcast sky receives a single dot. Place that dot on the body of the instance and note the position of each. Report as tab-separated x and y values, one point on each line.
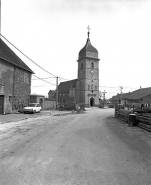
52	32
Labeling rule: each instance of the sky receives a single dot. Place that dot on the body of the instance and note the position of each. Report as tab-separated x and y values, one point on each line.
52	32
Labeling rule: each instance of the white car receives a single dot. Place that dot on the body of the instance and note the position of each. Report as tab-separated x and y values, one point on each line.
32	108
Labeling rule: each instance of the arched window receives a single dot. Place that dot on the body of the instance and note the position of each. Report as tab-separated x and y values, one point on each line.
92	65
81	65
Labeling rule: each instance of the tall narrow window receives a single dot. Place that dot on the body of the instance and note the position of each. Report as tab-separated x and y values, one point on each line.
92	65
88	87
81	65
95	87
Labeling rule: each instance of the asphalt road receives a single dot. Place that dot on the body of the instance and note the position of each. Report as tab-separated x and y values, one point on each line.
93	148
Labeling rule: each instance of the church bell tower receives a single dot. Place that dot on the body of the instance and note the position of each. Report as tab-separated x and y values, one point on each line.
88	75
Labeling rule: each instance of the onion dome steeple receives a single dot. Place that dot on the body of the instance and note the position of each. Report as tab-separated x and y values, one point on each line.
88	51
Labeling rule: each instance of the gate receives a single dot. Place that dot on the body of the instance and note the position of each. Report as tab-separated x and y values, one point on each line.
1	104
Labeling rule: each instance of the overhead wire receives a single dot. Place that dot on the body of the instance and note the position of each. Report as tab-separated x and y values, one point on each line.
108	87
31	59
112	92
44	80
54	76
41	86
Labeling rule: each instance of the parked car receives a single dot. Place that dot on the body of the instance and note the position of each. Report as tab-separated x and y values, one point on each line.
32	108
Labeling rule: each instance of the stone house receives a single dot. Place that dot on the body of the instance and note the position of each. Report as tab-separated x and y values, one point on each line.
134	98
52	95
15	81
140	96
119	99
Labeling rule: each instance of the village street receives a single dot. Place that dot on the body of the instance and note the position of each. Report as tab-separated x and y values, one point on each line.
92	148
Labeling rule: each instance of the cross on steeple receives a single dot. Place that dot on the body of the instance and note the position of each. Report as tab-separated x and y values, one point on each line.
88	31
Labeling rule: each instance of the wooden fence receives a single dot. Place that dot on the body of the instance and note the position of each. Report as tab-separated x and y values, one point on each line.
133	119
144	122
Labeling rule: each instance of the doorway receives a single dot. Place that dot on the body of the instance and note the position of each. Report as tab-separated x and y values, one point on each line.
1	104
41	102
92	102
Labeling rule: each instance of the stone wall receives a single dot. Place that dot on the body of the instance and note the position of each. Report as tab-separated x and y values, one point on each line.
49	104
22	84
15	85
6	84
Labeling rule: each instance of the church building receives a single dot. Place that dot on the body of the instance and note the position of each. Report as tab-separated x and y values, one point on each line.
85	89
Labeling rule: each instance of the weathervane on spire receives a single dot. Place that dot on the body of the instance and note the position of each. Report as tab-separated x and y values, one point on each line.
88	31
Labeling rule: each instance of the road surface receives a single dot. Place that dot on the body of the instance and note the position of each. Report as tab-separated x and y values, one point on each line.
92	148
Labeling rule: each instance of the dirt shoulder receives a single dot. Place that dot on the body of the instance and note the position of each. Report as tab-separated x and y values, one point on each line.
20	116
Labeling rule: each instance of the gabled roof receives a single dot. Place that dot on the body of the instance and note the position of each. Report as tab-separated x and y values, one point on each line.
52	91
9	56
140	93
118	97
64	87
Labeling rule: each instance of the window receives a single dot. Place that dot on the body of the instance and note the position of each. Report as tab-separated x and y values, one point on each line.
26	78
92	65
95	87
88	87
10	99
81	65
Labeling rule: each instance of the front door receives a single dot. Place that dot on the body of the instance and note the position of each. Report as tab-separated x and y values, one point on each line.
1	104
91	101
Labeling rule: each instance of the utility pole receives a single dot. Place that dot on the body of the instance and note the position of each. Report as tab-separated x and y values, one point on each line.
103	97
121	94
56	92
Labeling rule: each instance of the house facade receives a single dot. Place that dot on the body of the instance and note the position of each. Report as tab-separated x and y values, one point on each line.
15	81
52	95
135	98
140	96
119	99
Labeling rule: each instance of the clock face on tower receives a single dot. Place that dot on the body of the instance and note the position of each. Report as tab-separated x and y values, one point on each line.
91	54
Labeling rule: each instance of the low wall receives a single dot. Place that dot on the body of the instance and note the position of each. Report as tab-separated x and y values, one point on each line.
49	104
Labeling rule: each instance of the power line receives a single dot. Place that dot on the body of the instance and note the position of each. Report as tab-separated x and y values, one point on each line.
112	92
30	58
44	80
107	87
130	87
41	86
